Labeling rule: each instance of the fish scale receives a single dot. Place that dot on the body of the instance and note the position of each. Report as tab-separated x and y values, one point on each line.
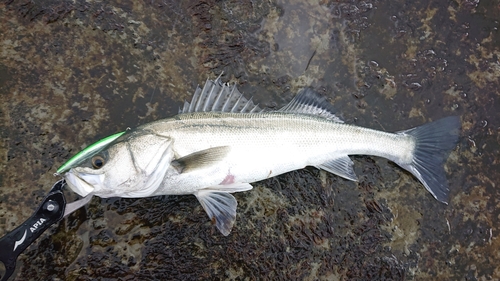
317	136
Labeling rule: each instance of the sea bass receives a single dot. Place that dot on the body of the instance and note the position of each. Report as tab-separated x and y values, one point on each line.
221	142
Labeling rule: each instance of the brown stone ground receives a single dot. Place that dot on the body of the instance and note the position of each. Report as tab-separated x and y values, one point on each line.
72	72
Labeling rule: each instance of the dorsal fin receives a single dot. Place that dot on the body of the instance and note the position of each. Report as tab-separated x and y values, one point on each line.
311	103
219	97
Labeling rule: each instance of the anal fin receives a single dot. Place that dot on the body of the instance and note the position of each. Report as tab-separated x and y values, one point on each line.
220	205
341	166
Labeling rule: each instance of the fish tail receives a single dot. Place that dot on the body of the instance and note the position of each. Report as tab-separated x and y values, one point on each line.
433	142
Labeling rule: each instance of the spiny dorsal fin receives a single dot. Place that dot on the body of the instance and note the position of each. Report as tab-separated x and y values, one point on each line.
219	97
311	103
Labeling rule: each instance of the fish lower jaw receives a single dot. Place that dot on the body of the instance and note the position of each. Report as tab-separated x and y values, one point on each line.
78	185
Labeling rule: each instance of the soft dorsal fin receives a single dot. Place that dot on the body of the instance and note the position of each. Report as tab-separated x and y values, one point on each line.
219	97
311	103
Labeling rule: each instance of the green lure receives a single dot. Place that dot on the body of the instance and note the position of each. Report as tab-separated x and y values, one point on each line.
88	151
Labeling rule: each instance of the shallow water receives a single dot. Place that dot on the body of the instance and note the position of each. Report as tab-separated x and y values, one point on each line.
75	72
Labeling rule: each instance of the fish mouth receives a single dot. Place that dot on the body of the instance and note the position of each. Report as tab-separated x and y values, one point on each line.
83	184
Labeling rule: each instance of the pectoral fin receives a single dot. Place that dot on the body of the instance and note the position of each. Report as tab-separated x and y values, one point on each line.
341	166
200	159
220	205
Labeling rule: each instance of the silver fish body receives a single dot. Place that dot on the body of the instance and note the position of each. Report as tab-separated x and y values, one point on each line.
265	145
219	144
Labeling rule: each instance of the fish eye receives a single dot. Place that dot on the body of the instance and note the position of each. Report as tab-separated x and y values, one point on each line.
97	162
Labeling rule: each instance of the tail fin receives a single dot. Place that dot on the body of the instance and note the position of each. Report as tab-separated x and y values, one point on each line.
434	141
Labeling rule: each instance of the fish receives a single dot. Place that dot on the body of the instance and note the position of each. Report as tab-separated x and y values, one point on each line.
220	142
